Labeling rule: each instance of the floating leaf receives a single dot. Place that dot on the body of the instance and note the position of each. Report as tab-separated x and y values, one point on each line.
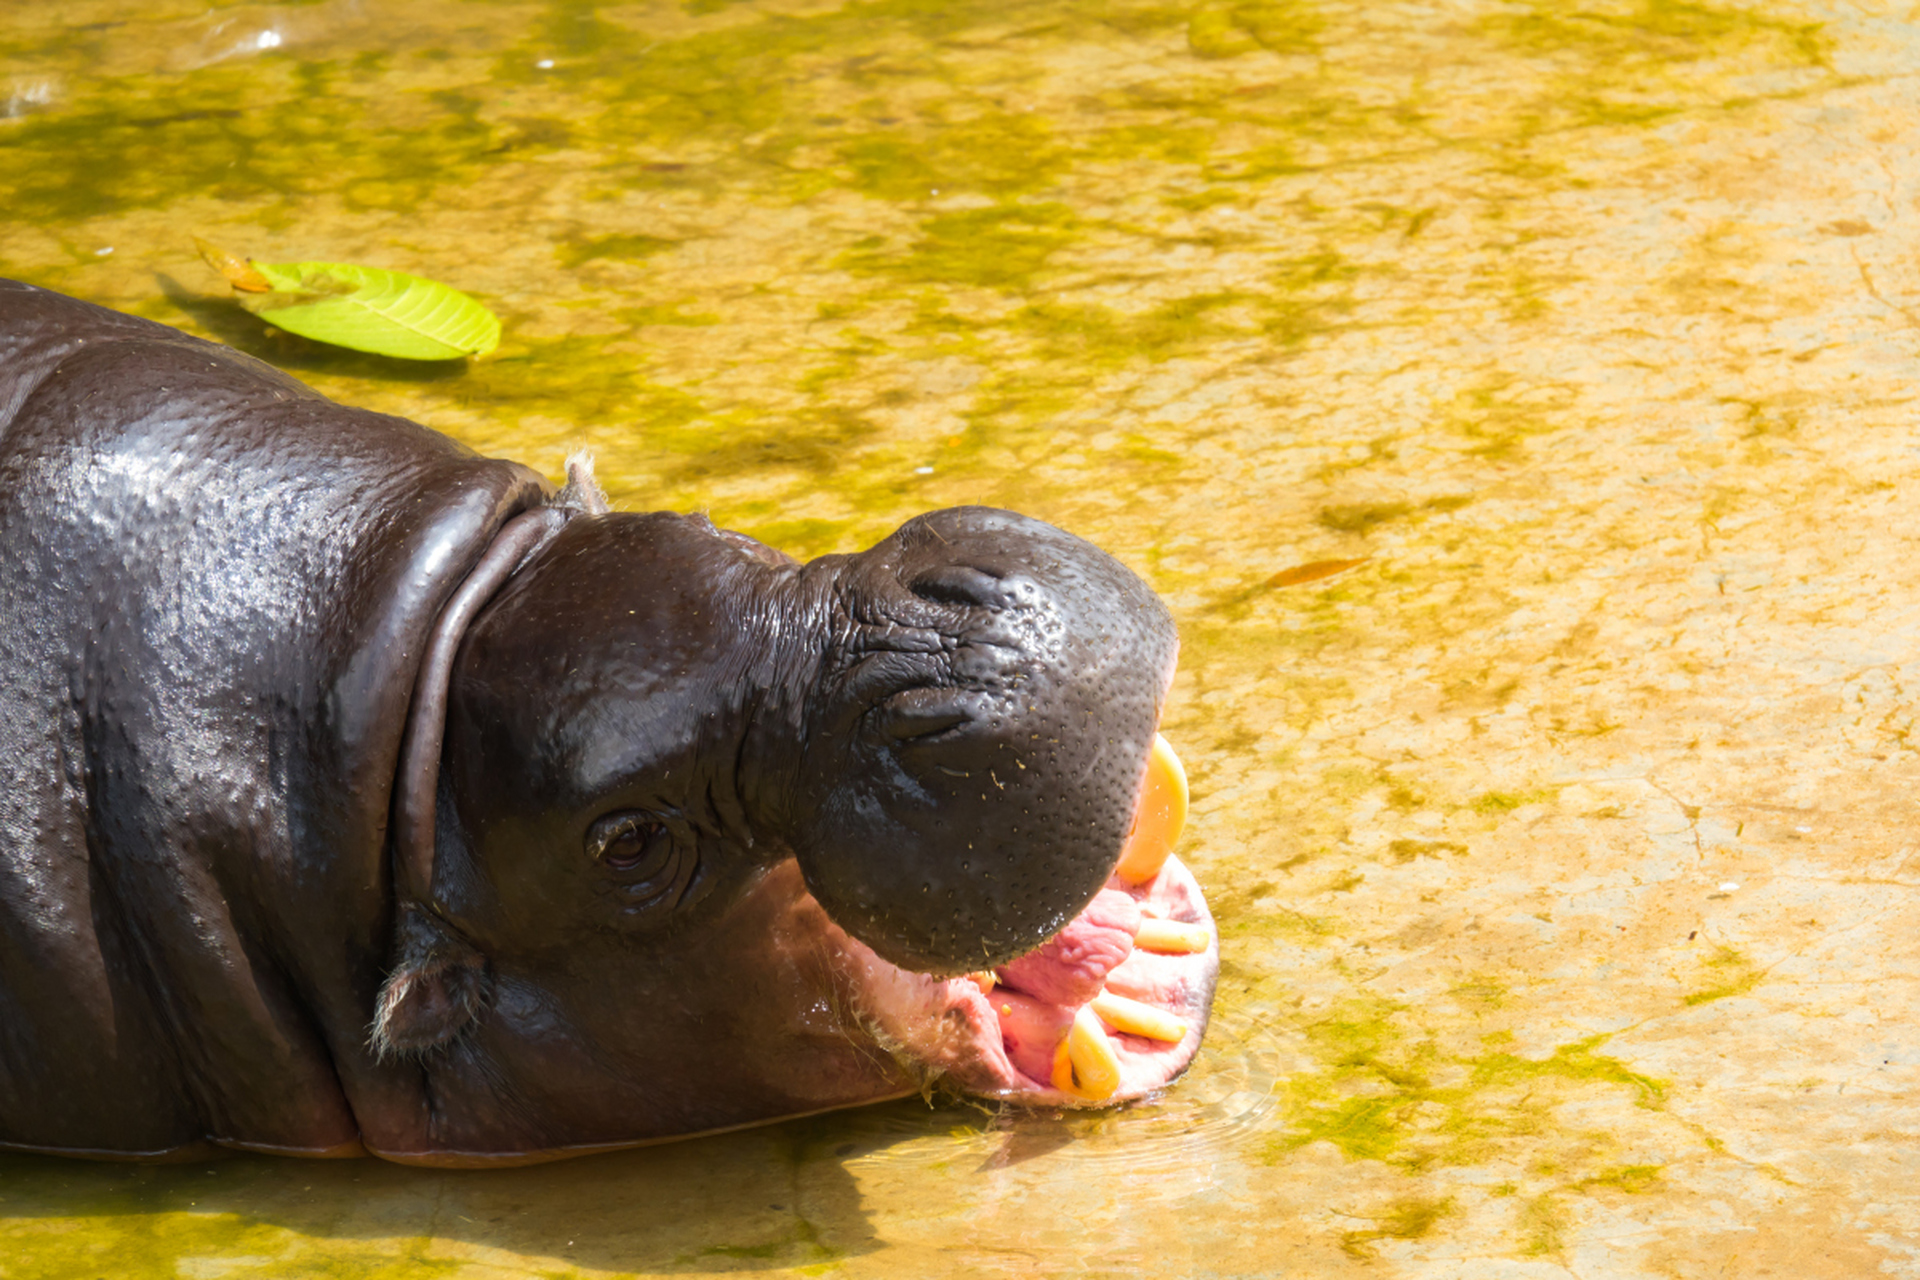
387	313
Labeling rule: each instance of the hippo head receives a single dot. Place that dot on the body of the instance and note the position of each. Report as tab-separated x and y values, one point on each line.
714	832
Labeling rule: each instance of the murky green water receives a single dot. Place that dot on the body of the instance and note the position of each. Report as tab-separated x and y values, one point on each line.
1587	333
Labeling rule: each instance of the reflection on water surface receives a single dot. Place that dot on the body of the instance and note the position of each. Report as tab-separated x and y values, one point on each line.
1588	333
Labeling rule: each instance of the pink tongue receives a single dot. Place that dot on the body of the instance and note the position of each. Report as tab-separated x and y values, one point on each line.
1070	969
1031	1031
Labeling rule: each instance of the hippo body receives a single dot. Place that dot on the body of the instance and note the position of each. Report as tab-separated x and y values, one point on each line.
360	794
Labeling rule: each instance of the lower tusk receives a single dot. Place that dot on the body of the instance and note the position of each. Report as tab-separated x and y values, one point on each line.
1094	1066
1158	818
1138	1019
1172	937
1085	1064
1063	1069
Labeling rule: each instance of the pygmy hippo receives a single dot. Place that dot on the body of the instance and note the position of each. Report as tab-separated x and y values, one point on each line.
359	794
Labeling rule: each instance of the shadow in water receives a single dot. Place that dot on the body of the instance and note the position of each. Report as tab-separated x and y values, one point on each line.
1028	1137
805	1193
780	1196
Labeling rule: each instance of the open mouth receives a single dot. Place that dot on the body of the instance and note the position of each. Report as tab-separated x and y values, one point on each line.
1109	1009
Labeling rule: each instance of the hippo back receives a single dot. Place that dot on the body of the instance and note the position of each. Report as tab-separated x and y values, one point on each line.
214	588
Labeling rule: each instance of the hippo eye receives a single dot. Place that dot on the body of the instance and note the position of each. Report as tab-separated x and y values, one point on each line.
650	866
630	842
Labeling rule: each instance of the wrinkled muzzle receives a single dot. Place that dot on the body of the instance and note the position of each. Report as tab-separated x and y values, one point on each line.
978	743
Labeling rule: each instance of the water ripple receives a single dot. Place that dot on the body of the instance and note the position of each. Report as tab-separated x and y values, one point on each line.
1227	1097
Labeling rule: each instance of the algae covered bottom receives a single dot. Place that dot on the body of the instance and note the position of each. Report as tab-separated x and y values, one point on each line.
1558	834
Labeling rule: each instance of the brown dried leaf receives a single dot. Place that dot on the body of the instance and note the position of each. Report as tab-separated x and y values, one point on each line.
1313	571
240	272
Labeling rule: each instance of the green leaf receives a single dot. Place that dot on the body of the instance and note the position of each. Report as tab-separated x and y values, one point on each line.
387	313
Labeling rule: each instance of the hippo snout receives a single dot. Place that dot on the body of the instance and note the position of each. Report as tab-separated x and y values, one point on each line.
977	740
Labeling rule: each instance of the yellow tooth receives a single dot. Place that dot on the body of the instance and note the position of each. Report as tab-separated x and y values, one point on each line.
1063	1069
1123	1014
1171	936
1157	821
1085	1064
983	979
1096	1067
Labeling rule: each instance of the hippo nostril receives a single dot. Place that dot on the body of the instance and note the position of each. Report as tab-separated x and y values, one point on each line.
961	585
923	713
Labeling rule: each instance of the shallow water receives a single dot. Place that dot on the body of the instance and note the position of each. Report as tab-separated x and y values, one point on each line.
1514	402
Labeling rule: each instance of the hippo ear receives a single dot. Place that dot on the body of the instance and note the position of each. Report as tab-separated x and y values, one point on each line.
437	988
582	492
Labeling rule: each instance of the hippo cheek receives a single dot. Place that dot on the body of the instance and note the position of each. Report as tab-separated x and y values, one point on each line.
775	1011
740	1022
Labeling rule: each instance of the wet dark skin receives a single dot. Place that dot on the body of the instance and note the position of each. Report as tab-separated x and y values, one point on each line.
267	881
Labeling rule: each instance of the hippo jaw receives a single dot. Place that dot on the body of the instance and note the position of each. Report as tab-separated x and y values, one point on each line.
656	729
1000	1035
